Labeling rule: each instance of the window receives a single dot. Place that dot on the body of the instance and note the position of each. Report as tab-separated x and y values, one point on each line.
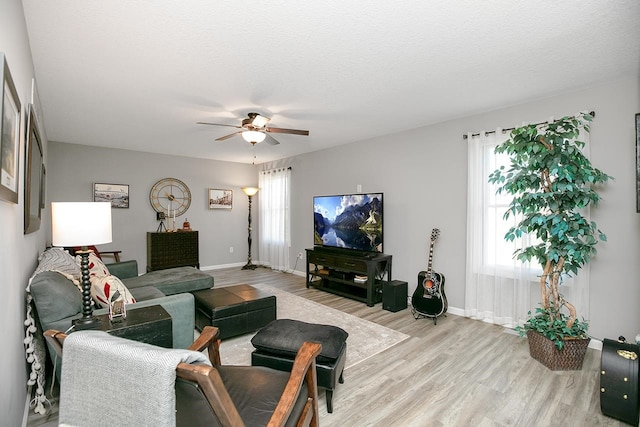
500	289
275	218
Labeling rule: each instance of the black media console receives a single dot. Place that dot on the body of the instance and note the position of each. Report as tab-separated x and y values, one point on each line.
352	275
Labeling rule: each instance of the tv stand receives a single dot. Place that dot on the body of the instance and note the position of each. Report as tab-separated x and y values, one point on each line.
335	272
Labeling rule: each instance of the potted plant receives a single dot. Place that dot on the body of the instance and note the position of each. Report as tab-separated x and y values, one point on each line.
551	181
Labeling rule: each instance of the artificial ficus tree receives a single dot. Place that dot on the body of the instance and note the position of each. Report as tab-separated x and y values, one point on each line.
551	182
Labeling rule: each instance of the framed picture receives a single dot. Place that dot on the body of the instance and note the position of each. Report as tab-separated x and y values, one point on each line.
43	186
117	194
33	195
220	199
10	134
638	162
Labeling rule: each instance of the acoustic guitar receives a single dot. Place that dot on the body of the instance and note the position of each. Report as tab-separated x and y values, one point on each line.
429	299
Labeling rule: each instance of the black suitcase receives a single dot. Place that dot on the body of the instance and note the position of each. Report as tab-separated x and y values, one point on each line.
619	380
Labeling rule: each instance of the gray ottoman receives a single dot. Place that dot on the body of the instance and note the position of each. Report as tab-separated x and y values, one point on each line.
277	343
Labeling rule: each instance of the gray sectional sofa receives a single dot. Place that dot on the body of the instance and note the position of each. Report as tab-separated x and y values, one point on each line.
58	301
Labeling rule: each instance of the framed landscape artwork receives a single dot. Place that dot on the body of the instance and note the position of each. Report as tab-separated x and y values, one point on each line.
220	199
116	194
9	133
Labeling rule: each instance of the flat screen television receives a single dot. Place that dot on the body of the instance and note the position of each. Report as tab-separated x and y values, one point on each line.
348	221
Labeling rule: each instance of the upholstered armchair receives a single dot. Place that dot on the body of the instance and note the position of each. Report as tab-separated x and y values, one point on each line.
220	395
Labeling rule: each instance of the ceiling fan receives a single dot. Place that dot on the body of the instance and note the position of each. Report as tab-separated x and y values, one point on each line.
254	130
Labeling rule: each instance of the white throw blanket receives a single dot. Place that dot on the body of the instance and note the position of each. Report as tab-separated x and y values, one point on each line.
111	381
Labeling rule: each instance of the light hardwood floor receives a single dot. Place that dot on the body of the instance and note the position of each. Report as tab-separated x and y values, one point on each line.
460	372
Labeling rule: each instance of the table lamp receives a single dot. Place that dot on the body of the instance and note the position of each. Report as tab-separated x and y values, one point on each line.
82	224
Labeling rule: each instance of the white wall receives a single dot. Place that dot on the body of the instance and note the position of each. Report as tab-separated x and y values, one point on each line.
73	169
18	253
423	175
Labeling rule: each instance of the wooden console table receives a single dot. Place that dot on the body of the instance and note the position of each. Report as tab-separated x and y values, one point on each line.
336	272
175	249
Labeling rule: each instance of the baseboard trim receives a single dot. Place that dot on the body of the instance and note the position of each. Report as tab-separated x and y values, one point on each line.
221	266
594	343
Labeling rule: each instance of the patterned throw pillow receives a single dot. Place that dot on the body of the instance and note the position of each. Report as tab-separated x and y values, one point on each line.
96	266
103	288
103	284
57	259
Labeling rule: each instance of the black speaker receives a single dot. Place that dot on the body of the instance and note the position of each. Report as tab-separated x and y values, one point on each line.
394	295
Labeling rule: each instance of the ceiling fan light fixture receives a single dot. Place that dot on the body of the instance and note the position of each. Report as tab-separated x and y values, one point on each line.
259	121
253	136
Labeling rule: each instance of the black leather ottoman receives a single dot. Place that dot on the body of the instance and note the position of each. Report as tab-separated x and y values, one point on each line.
235	310
277	343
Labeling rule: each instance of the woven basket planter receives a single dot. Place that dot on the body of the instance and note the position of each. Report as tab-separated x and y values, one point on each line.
544	350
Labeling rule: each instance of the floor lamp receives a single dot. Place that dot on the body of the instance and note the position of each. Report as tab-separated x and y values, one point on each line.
250	192
82	224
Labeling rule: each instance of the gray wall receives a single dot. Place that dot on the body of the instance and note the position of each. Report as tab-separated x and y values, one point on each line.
73	169
423	175
18	253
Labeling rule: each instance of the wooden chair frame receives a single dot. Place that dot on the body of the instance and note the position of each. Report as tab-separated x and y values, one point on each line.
210	382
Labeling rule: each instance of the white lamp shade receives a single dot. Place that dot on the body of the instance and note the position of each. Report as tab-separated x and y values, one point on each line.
250	191
80	223
253	136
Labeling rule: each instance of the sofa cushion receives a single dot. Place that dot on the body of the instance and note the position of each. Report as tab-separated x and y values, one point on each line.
146	293
103	289
172	280
285	336
124	269
56	297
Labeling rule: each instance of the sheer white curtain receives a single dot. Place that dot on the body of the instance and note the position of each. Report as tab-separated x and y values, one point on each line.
500	289
275	218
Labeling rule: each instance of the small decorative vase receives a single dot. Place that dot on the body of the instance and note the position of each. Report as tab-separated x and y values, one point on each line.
544	350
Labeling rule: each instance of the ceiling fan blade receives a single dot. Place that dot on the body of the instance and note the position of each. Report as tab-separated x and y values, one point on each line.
218	124
270	140
222	138
290	131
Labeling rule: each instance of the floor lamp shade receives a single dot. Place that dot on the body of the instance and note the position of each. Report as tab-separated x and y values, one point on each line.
80	223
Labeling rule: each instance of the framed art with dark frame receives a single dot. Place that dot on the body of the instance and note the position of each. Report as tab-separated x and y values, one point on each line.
34	184
220	199
638	162
116	194
9	133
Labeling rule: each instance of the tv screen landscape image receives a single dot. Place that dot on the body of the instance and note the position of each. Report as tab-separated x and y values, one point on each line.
348	221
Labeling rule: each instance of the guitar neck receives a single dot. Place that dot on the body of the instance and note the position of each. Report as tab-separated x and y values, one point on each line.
429	265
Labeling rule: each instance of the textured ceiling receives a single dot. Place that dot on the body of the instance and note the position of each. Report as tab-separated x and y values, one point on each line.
139	74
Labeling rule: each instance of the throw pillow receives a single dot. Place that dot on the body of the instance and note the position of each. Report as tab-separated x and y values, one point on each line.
96	266
104	287
57	259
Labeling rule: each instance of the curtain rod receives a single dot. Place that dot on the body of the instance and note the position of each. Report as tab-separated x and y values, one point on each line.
465	136
277	169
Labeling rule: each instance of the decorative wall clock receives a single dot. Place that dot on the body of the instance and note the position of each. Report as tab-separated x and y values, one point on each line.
170	197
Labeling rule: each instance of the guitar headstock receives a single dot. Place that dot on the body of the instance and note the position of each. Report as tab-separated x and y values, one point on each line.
435	233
